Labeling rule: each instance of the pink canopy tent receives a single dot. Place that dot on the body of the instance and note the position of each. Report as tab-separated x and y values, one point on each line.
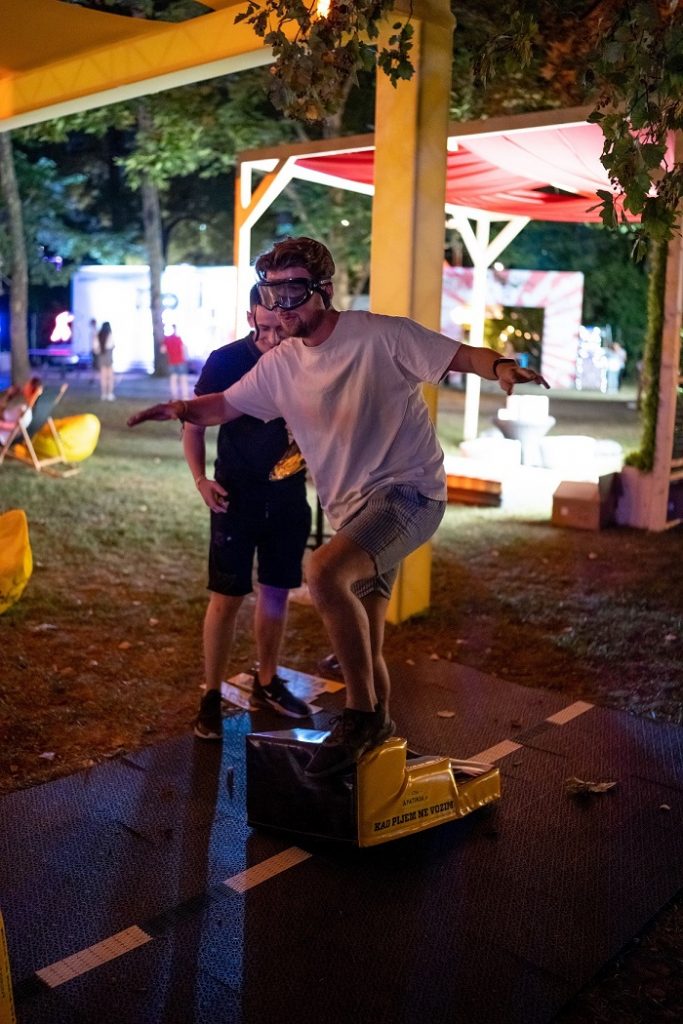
515	174
543	166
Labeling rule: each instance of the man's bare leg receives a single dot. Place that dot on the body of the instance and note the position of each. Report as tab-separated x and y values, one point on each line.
270	690
376	608
218	636
332	570
356	629
269	625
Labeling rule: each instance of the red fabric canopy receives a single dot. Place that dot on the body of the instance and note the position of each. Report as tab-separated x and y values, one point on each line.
515	174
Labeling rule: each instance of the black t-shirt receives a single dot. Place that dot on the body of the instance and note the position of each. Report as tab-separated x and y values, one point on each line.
247	447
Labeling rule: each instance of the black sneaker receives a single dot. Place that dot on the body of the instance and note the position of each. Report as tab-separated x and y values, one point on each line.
330	666
209	722
277	696
354	733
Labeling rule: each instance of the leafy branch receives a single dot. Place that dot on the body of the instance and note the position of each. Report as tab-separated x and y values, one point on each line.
639	77
631	52
330	44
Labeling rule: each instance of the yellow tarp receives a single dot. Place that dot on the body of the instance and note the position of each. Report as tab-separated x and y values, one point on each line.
16	560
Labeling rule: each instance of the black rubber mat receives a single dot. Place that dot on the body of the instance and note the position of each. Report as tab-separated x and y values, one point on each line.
495	919
487	710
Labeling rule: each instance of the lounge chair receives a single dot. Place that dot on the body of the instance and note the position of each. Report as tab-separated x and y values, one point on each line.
19	445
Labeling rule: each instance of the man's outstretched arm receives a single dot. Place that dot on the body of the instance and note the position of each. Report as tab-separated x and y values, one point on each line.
207	411
488	364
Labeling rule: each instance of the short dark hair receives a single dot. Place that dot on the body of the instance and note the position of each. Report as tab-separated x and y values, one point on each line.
298	252
254	297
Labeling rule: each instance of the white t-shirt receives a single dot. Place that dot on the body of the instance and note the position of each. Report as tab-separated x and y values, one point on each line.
355	407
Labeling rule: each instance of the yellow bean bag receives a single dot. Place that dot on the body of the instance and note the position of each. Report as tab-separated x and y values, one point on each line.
79	436
16	560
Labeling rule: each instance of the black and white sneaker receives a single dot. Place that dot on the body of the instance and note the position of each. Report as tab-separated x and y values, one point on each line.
354	733
330	666
209	722
277	697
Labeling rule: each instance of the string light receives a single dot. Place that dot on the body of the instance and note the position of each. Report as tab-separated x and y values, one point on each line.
322	8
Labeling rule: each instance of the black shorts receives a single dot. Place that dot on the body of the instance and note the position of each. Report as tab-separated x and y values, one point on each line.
276	532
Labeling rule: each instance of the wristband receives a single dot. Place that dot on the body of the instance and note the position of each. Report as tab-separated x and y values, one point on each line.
182	413
497	362
198	479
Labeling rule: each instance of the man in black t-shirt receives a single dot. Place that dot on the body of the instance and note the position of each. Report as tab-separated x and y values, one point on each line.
258	507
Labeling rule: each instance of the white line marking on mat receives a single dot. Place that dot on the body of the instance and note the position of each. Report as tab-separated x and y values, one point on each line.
501	749
79	963
267	869
573	711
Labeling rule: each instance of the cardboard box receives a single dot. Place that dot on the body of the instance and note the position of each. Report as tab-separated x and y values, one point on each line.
584	505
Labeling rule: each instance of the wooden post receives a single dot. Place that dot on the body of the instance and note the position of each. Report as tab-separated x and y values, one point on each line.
670	379
408	221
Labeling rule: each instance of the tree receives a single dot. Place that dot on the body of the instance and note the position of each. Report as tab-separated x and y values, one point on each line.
625	57
170	135
191	131
151	220
630	57
18	270
42	235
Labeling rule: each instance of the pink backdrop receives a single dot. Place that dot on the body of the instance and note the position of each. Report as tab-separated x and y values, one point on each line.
558	292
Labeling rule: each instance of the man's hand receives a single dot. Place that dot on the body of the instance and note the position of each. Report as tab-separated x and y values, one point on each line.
510	374
215	496
164	411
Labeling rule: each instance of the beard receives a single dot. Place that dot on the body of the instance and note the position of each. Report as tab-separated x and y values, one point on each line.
295	327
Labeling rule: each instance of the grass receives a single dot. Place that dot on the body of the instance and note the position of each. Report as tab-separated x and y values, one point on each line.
131	495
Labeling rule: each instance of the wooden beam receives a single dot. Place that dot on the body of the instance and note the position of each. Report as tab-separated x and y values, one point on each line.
408	221
670	379
134	58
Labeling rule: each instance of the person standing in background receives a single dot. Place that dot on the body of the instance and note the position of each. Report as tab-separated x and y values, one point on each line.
176	356
104	351
615	361
94	348
259	511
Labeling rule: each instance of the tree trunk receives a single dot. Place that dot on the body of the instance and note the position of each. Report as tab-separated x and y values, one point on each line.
18	271
332	128
153	242
151	217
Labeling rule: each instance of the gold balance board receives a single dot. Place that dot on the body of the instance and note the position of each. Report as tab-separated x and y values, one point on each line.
390	794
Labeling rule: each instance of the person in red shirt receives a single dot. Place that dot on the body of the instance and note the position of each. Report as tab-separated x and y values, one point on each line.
176	356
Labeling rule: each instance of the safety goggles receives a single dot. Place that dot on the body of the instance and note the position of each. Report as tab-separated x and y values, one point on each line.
288	294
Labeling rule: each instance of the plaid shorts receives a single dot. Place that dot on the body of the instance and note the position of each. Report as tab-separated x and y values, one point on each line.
396	520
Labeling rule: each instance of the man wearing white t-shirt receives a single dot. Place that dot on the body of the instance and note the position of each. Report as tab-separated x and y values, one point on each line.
348	386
